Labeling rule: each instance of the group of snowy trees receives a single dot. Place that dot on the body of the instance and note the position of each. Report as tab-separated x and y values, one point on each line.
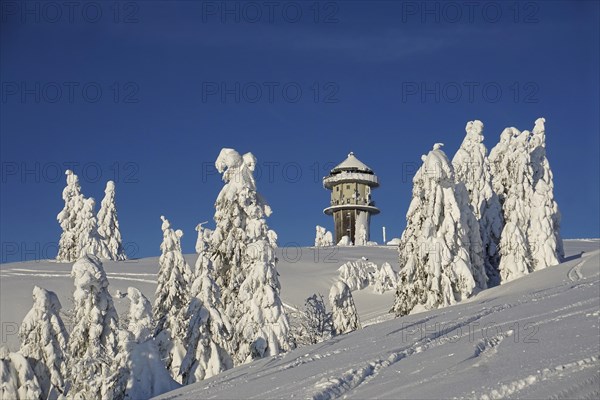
478	221
522	178
97	359
226	311
323	237
85	233
315	324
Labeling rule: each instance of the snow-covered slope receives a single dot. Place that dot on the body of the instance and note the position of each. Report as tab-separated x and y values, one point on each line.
303	270
536	337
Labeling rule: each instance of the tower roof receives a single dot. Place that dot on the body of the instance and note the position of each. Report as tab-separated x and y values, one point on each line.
351	163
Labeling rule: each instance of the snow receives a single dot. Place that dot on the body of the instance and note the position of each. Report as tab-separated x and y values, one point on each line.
345	241
514	340
558	299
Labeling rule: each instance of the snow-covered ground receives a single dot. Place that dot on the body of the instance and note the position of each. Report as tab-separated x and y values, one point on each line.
303	272
536	337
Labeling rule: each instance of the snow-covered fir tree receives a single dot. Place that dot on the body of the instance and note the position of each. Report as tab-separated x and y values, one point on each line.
473	235
142	373
499	159
262	330
17	379
357	274
44	341
323	237
203	238
244	261
312	324
544	237
93	343
208	338
319	321
385	279
68	247
108	226
471	167
89	239
514	245
343	311
172	298
435	264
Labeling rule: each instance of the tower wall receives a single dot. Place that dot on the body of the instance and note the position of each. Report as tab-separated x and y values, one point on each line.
345	224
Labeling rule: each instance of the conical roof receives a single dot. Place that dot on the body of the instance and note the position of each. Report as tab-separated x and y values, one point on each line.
352	164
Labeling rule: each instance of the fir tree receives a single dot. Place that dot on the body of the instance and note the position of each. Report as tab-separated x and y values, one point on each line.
108	226
68	247
472	168
44	341
344	316
172	298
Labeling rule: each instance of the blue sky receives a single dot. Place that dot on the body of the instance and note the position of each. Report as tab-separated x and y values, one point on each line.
146	93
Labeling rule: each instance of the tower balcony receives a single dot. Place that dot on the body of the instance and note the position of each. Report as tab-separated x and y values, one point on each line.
368	207
354	177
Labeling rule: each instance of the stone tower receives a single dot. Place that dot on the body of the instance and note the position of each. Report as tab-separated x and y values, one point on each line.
351	204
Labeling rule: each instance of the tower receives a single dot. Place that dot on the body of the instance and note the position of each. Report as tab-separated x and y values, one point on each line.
351	205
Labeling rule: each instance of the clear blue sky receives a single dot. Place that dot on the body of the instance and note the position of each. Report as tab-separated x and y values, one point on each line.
148	92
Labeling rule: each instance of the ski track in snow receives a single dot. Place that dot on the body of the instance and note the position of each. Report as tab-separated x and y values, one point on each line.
333	387
513	387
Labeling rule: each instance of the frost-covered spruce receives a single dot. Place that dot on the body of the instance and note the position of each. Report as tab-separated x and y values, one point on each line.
514	245
143	374
499	159
473	235
209	331
17	380
357	274
68	247
244	260
385	279
172	298
435	265
544	238
108	226
203	239
323	237
343	311
93	343
319	324
472	167
89	239
263	328
44	341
